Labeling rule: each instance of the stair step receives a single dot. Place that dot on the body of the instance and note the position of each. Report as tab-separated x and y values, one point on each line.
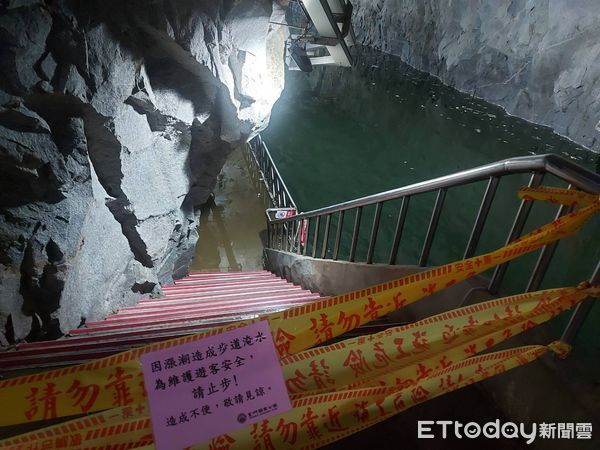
196	303
216	283
90	347
223	279
122	339
228	274
201	310
220	300
196	313
214	304
159	324
65	359
98	337
238	292
170	290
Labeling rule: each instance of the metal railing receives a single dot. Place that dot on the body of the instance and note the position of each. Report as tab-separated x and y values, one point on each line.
267	173
292	234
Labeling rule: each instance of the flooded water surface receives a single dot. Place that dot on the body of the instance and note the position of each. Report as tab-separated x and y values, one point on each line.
338	133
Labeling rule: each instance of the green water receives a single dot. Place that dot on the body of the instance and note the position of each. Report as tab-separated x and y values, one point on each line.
338	133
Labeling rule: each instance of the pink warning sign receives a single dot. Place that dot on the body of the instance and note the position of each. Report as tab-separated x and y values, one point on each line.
213	386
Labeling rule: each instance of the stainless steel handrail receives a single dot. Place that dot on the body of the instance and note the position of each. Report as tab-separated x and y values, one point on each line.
577	176
538	166
276	187
581	312
284	231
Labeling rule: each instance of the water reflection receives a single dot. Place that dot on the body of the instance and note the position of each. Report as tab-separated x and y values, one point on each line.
405	122
338	134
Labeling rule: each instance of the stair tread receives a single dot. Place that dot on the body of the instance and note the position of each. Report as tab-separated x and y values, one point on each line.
232	299
200	311
200	301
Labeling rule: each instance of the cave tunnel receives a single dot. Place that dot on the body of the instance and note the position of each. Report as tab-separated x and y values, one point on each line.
283	224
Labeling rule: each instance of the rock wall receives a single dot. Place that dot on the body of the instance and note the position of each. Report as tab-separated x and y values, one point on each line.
536	58
115	119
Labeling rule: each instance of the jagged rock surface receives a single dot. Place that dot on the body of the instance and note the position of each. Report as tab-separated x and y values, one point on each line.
537	59
115	120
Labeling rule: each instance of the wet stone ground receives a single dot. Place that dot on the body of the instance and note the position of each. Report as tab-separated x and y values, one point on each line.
232	225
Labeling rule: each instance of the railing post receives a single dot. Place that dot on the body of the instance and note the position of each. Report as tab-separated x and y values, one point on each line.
399	228
515	232
274	235
431	229
298	236
273	185
291	236
338	235
580	313
281	240
316	238
355	234
326	236
545	256
374	231
482	215
306	237
278	193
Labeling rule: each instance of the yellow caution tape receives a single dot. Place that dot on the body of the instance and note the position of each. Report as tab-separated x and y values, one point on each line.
305	326
320	419
314	421
398	357
569	197
415	350
361	408
117	380
76	434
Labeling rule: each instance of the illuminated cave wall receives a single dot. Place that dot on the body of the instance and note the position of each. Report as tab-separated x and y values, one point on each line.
536	58
115	119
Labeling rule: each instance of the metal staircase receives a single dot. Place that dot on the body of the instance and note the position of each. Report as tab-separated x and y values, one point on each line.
195	303
320	233
207	299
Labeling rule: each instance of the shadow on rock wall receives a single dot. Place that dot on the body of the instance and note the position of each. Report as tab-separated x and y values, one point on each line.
537	59
115	119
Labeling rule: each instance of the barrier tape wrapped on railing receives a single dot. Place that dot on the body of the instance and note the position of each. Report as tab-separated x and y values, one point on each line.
568	197
383	359
324	418
419	348
108	380
117	381
314	420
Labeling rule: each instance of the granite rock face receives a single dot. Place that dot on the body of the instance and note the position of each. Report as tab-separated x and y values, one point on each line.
115	120
536	58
